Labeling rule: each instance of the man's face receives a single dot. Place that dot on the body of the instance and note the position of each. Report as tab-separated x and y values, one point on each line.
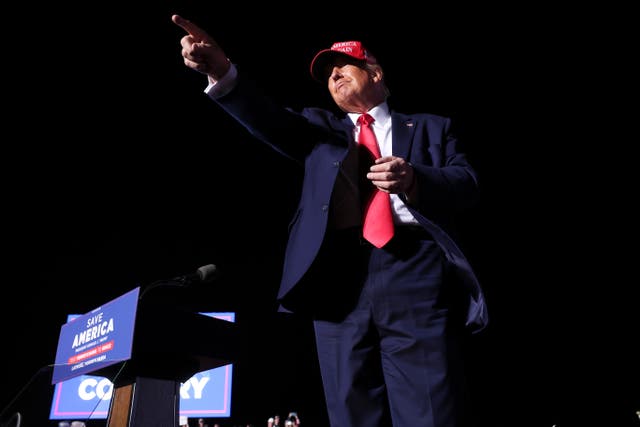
349	83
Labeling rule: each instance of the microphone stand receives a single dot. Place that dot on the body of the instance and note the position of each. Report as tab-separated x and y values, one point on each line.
179	282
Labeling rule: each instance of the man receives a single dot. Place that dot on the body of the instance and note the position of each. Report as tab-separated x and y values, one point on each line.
385	303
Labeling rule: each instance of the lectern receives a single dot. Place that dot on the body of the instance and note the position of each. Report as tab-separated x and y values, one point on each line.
163	347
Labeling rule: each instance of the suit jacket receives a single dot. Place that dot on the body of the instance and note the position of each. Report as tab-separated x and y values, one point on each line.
320	140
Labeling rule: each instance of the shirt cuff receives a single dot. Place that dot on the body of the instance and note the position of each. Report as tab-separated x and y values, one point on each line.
219	88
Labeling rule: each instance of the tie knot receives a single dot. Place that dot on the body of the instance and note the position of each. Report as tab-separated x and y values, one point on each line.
365	119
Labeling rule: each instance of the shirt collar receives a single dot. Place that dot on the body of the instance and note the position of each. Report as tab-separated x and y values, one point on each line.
380	113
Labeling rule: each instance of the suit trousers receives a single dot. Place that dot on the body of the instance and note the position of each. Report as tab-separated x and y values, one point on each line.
393	359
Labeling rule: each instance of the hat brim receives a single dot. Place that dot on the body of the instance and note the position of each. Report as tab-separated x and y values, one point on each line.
323	59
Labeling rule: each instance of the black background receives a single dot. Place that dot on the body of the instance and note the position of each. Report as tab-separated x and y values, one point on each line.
118	171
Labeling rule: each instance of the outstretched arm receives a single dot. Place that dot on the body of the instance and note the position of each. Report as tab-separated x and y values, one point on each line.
200	51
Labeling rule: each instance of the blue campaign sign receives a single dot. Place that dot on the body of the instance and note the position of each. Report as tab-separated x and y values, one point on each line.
100	338
205	394
208	393
81	397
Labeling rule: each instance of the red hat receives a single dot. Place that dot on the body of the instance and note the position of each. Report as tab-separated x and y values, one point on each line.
349	49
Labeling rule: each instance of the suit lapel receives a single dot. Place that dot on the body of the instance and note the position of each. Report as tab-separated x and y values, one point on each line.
346	125
403	128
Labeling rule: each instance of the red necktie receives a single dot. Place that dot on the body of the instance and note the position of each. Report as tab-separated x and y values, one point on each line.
377	225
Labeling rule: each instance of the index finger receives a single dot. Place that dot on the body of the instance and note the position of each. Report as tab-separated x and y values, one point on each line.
191	28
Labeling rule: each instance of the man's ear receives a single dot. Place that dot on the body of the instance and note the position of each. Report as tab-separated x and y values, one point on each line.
377	74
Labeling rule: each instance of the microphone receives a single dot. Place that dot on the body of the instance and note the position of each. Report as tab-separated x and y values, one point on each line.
204	274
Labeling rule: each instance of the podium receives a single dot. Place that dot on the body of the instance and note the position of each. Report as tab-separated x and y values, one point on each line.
167	347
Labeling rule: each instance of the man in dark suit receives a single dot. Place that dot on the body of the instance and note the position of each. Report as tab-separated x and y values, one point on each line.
388	311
